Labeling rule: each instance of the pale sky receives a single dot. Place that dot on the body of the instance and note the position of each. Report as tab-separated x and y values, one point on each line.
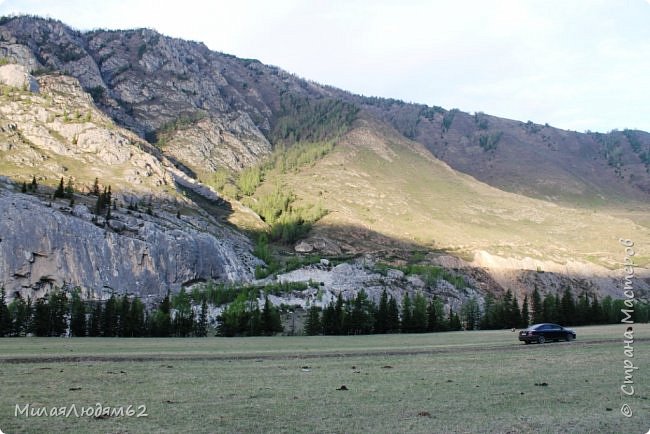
576	64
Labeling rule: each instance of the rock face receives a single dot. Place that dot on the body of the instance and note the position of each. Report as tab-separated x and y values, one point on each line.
17	76
43	246
211	144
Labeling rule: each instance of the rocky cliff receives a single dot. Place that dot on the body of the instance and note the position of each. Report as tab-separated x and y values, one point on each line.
54	132
45	244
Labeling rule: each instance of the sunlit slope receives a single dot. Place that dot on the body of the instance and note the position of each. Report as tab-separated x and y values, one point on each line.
377	182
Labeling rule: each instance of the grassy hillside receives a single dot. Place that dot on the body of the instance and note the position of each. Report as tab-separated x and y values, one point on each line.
375	181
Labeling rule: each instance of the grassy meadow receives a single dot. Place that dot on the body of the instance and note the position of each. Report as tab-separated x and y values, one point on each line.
457	382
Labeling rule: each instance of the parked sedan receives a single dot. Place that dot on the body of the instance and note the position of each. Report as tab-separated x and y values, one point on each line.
541	333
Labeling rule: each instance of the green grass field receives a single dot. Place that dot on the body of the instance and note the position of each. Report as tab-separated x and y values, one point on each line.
458	382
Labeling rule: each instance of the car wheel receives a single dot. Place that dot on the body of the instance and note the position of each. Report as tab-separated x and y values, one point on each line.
526	342
569	337
541	340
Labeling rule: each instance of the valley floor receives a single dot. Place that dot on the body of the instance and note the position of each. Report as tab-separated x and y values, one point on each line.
457	382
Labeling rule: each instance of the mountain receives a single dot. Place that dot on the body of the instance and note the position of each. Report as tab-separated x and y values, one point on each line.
526	201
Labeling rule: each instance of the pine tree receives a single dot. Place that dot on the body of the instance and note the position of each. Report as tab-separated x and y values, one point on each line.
407	314
515	313
471	314
568	308
270	319
34	184
596	314
95	326
538	308
124	322
60	190
95	190
184	318
339	315
381	317
41	322
69	188
58	310
5	317
525	315
329	320
202	322
419	313
138	327
583	308
19	313
313	324
109	317
77	316
454	321
507	317
23	189
393	325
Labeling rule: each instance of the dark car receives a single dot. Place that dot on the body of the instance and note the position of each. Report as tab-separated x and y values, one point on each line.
541	333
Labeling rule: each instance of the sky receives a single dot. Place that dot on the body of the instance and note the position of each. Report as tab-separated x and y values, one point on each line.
579	64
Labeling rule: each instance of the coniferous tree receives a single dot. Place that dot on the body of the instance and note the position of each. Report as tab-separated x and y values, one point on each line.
454	321
69	188
432	316
110	317
58	310
407	314
124	321
419	317
360	320
583	310
5	317
381	318
20	313
270	319
41	321
339	315
471	314
507	309
393	316
525	314
60	190
202	322
329	320
538	307
95	190
568	308
137	317
550	308
487	321
77	316
164	322
313	324
596	312
23	189
184	318
95	320
34	184
515	313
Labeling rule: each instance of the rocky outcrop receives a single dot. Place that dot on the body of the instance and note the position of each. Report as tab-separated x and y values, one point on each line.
17	76
210	144
48	244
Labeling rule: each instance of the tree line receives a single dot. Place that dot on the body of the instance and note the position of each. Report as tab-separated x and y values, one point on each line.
60	313
360	315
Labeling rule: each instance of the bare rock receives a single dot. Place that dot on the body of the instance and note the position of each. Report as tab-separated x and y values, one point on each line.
17	76
303	247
